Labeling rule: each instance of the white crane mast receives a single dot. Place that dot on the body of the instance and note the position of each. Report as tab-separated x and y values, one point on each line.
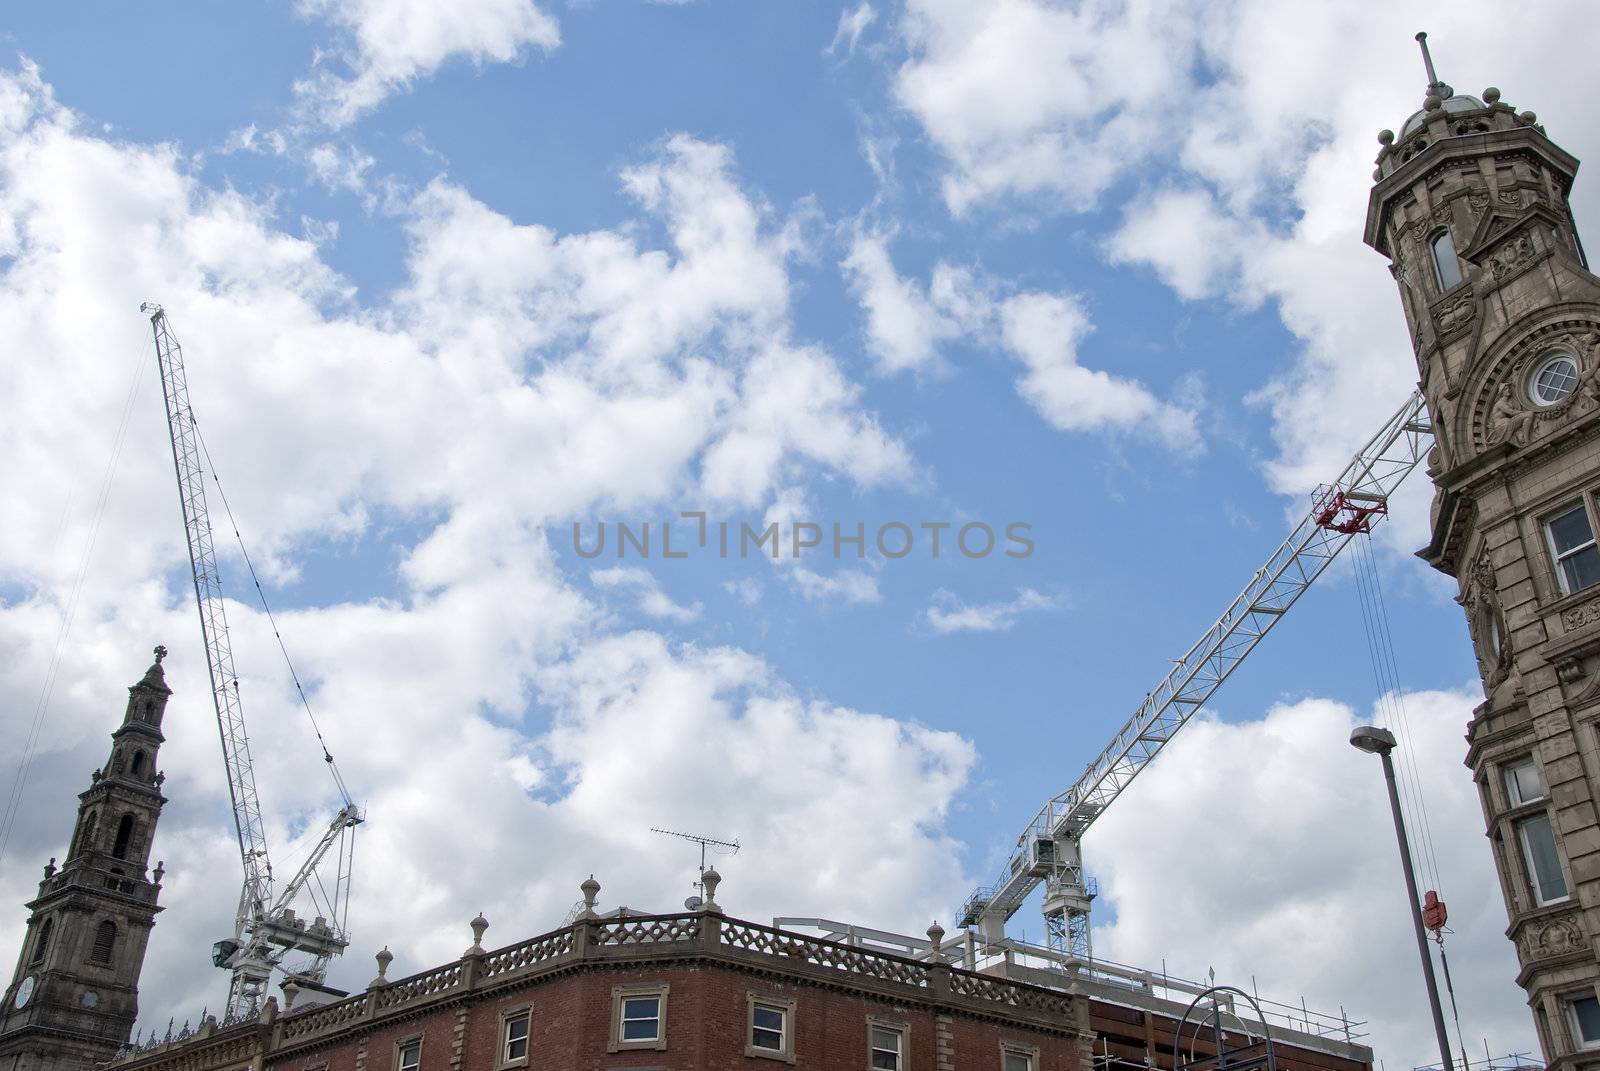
265	928
1049	850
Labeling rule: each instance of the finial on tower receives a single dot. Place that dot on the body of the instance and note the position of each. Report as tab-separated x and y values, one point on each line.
1435	87
161	652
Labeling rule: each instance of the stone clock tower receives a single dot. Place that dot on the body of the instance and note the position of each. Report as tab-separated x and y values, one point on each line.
1470	206
74	996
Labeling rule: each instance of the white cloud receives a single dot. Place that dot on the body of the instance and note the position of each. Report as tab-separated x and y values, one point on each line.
1279	834
1031	98
518	377
652	600
1264	154
852	24
747	589
1043	332
906	323
852	587
904	328
391	43
950	614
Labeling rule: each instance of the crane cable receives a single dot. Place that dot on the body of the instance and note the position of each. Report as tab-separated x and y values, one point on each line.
1391	707
327	755
70	609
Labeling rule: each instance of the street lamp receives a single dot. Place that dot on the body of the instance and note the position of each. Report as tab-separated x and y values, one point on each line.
1380	742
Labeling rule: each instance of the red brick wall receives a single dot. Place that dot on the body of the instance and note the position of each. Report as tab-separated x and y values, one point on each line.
706	1029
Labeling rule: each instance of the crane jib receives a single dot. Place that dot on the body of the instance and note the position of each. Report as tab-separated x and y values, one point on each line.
265	928
1343	509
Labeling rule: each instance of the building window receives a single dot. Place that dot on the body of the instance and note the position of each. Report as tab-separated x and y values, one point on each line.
408	1054
1523	783
638	1017
1572	540
138	764
105	943
124	837
514	1036
1018	1058
1544	865
43	944
1553	380
1446	267
886	1045
770	1023
1585	1016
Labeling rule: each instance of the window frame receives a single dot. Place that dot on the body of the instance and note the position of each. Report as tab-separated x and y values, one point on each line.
1519	827
1546	360
400	1047
900	1029
1438	267
1513	794
1028	1053
1556	555
507	1017
104	926
1569	1004
620	994
784	1005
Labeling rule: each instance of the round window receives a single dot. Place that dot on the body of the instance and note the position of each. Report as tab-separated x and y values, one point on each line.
1555	378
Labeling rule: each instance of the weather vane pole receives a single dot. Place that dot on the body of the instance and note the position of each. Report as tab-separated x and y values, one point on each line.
1427	61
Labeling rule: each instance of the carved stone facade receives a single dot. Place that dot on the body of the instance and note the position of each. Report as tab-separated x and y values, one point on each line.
74	996
1470	205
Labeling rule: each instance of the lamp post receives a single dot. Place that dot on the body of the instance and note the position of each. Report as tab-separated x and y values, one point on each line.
1380	742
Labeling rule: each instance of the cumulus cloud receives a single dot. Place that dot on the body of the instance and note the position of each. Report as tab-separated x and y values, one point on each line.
1279	834
1043	331
517	378
950	614
1035	104
389	44
652	600
907	322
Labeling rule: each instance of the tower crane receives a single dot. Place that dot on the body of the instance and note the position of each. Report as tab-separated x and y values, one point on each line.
1049	851
266	928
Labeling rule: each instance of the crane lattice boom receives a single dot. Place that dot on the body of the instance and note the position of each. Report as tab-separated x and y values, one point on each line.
1048	850
265	926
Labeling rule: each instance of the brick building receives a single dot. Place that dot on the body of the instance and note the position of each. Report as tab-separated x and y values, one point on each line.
700	990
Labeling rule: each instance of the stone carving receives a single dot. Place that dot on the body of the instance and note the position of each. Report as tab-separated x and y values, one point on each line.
1509	419
1503	408
1488	624
1558	937
1457	314
1576	617
1510	197
1515	253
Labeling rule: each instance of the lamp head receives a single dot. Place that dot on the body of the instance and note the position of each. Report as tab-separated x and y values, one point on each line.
1372	740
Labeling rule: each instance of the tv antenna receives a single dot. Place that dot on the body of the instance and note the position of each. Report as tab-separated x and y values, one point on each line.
722	847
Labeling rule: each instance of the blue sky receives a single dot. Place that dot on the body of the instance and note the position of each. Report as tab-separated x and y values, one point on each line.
448	283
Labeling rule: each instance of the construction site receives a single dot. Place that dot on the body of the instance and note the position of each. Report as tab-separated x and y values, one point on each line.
1469	207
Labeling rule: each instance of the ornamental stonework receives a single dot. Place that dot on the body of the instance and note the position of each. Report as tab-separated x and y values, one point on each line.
1504	412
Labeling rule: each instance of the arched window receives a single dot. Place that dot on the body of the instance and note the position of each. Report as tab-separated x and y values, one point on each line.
138	764
105	943
124	837
1446	266
84	841
42	945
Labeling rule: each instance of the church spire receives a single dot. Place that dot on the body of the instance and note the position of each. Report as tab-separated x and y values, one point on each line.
74	996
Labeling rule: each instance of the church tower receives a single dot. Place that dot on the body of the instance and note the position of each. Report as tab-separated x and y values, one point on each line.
74	996
1470	206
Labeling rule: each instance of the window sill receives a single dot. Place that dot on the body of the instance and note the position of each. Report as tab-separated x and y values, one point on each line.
768	1054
